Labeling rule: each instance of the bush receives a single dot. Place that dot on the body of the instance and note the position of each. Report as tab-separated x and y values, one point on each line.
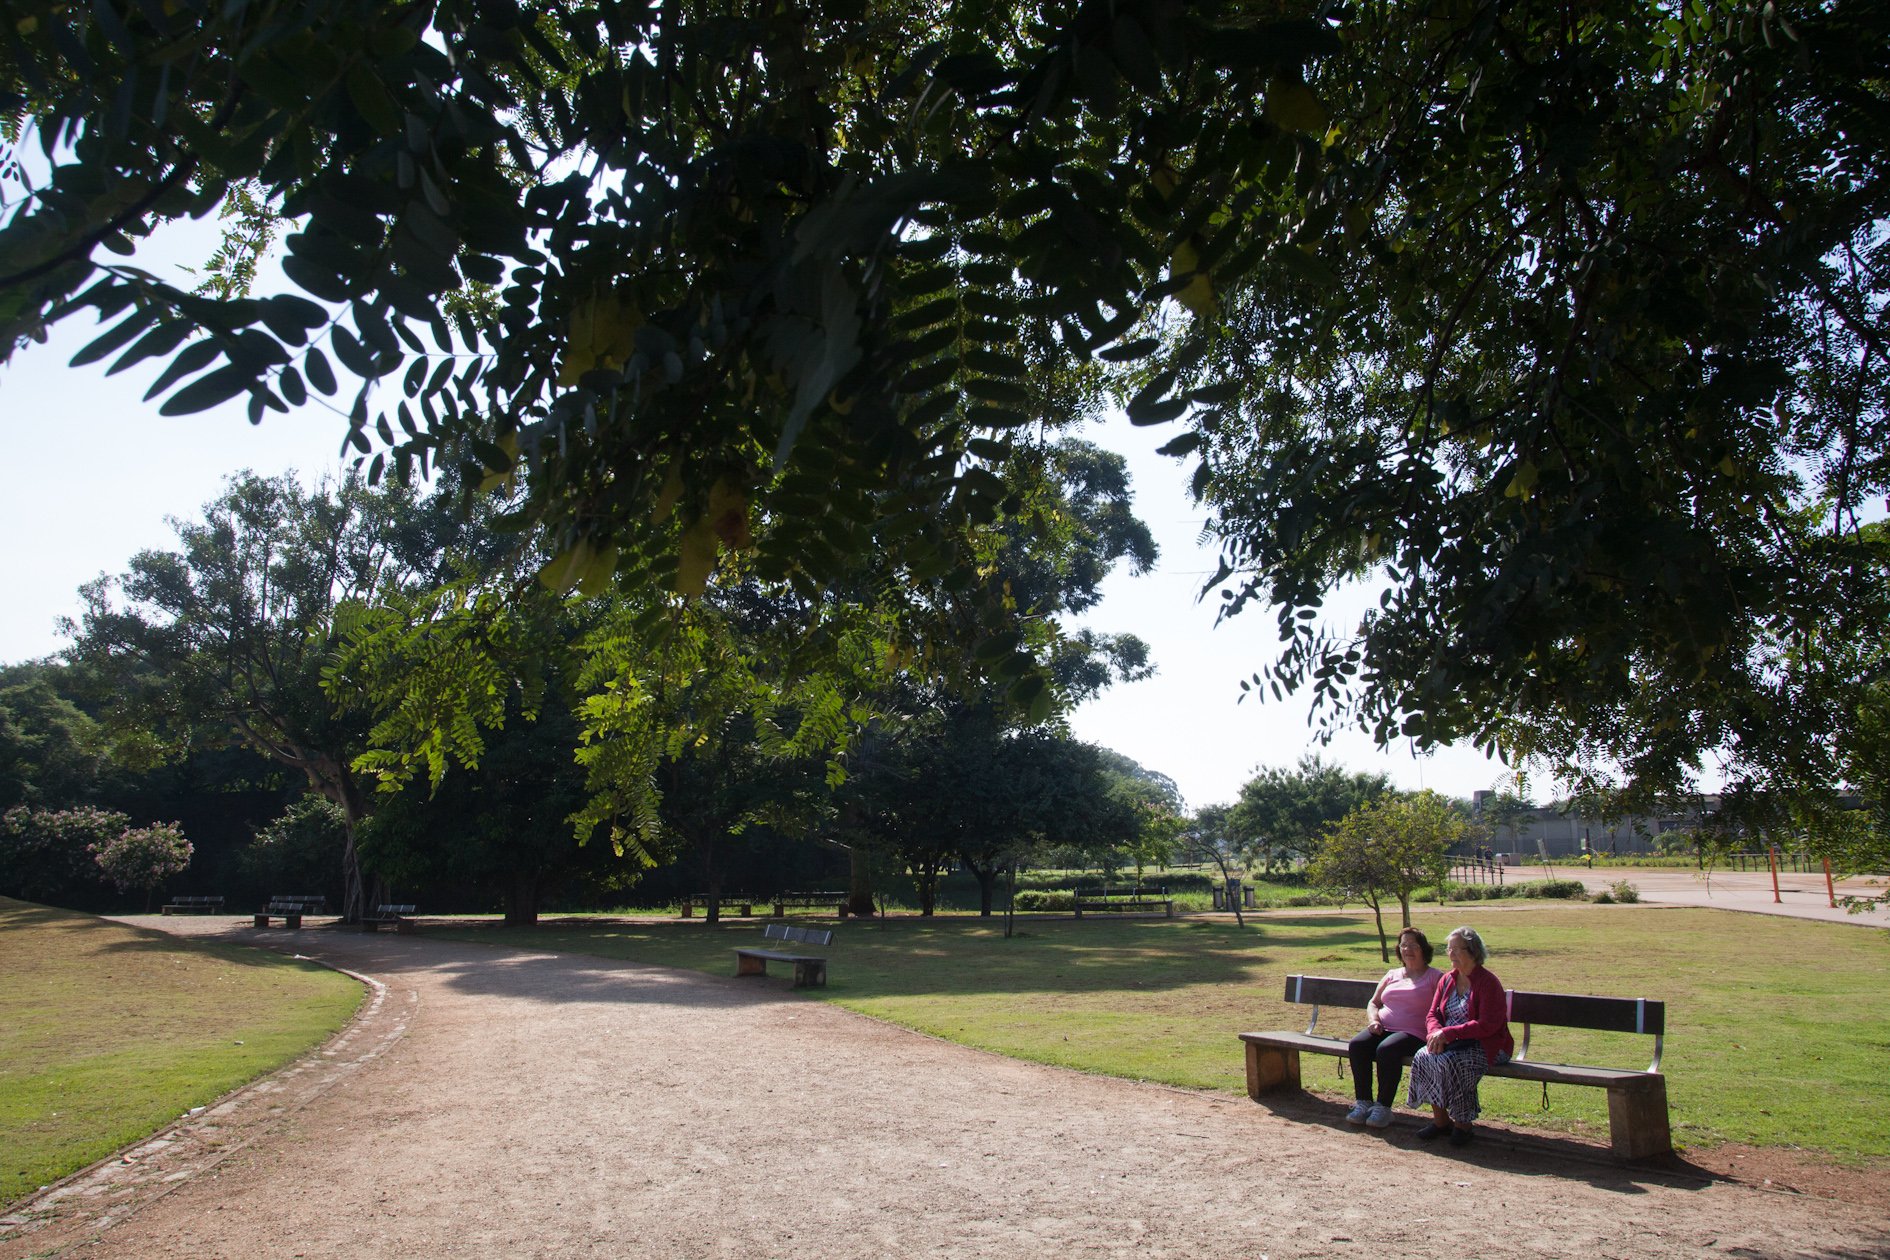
1622	891
300	849
1045	899
143	857
47	855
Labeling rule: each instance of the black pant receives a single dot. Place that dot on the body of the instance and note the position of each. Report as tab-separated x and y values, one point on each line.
1390	1050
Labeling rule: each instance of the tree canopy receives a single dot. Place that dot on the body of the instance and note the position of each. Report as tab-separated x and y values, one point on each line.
1569	325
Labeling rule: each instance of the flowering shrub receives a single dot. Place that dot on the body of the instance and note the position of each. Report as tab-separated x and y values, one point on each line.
143	857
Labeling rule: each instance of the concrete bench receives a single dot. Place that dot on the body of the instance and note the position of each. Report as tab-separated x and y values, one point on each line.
1124	901
399	917
193	905
809	970
290	910
783	902
741	907
1638	1124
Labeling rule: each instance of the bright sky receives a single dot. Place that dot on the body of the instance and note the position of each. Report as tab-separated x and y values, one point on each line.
96	473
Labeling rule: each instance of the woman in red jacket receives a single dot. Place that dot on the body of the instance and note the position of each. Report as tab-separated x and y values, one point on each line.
1468	1029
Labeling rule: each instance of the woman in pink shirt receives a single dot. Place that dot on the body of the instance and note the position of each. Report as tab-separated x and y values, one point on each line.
1394	1030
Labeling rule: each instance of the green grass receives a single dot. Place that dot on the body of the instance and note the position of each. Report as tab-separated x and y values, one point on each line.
1778	1031
108	1033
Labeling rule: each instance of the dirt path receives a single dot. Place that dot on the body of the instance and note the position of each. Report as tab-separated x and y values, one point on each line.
497	1102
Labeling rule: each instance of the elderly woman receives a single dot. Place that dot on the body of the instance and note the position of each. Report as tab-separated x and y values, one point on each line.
1394	1029
1467	1029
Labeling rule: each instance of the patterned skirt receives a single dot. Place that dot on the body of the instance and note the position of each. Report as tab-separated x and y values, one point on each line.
1449	1080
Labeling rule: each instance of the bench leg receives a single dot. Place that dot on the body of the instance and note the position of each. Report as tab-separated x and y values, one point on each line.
1637	1120
292	920
1270	1068
811	973
262	920
688	911
403	927
747	966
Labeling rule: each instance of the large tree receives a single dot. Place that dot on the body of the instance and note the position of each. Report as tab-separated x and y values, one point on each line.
225	640
1569	323
1282	813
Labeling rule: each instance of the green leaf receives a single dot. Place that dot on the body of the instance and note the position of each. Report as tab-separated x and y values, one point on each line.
209	391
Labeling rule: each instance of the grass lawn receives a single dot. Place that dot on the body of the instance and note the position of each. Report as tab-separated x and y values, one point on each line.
108	1033
1778	1029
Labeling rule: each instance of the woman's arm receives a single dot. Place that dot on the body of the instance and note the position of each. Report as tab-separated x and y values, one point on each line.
1488	1013
1375	1009
1434	1018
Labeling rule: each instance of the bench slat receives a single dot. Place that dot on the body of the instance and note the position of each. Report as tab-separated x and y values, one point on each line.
1330	991
1576	1010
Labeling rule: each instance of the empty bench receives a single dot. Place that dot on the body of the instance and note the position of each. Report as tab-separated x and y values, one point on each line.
193	905
399	917
290	910
783	902
809	970
1638	1126
725	905
1124	901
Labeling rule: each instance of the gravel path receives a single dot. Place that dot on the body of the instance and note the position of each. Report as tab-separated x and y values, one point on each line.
502	1102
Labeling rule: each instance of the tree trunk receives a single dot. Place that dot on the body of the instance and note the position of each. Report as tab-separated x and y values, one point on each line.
925	880
521	900
1384	946
338	785
1404	904
859	882
987	888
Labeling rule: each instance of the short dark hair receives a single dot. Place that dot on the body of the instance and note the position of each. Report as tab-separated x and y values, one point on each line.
1423	943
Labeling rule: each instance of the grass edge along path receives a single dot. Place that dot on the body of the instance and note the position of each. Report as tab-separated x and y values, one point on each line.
1776	1036
108	1032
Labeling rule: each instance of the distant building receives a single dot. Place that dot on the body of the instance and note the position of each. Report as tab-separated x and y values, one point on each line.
1562	832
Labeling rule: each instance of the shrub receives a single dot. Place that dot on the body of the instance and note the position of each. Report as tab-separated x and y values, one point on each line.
302	848
143	857
1622	891
1045	899
46	855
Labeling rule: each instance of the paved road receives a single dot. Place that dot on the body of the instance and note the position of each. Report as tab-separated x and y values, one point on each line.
1800	896
505	1102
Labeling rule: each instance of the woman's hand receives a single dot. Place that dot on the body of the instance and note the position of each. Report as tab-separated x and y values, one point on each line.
1435	1043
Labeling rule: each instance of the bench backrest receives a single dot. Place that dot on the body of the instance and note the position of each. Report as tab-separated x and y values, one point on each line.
1157	890
1318	991
1526	1007
306	905
806	936
405	908
1580	1010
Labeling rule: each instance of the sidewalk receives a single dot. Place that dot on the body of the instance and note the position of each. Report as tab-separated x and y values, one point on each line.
1800	896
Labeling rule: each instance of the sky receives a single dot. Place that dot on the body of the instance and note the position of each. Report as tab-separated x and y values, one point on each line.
93	473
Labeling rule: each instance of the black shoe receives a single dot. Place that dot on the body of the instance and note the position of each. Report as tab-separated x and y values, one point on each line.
1432	1130
1460	1137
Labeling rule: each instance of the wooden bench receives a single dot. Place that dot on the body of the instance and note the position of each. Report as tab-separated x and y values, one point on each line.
808	969
399	917
808	901
193	905
728	905
290	910
1124	901
1638	1125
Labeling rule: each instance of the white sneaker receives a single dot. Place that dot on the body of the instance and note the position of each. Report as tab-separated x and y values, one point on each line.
1360	1110
1380	1116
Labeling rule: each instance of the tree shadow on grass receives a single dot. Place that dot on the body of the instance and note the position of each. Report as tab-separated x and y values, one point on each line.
916	957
